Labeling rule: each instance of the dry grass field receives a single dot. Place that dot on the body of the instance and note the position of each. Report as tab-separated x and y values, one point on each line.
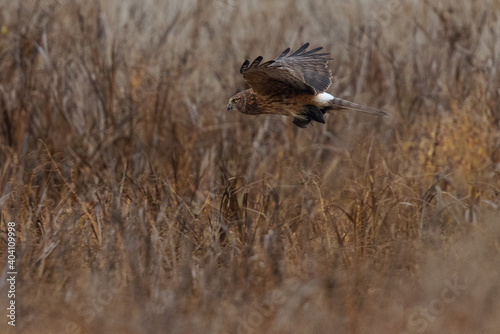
143	206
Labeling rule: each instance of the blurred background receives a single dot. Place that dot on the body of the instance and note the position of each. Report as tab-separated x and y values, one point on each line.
143	206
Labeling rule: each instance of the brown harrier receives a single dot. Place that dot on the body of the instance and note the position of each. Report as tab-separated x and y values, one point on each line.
291	85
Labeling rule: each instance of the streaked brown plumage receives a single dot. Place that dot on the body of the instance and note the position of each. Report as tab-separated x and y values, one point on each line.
291	85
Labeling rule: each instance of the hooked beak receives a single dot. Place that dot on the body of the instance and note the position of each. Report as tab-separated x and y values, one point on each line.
230	106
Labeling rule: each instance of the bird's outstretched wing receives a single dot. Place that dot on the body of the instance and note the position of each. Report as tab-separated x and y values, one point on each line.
302	71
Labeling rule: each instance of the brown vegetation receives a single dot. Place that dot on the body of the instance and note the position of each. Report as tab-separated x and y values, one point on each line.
143	206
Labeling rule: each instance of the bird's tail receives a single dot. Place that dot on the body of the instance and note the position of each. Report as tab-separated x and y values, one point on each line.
337	103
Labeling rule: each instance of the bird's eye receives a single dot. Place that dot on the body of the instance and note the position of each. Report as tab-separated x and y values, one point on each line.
236	100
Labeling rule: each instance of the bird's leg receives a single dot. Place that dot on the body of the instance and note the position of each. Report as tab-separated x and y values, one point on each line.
313	112
310	113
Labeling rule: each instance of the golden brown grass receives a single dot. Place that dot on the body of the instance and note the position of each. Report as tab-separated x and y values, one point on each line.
144	207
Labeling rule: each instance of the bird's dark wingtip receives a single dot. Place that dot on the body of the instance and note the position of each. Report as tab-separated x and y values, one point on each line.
244	66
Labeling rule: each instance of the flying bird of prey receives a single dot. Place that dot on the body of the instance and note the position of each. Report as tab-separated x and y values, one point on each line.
291	85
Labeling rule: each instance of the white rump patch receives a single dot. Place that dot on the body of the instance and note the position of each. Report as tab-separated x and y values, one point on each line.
323	98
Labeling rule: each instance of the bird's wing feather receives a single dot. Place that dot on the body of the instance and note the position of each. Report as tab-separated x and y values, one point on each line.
302	71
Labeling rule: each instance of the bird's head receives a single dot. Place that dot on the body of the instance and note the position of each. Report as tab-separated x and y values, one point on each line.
237	101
